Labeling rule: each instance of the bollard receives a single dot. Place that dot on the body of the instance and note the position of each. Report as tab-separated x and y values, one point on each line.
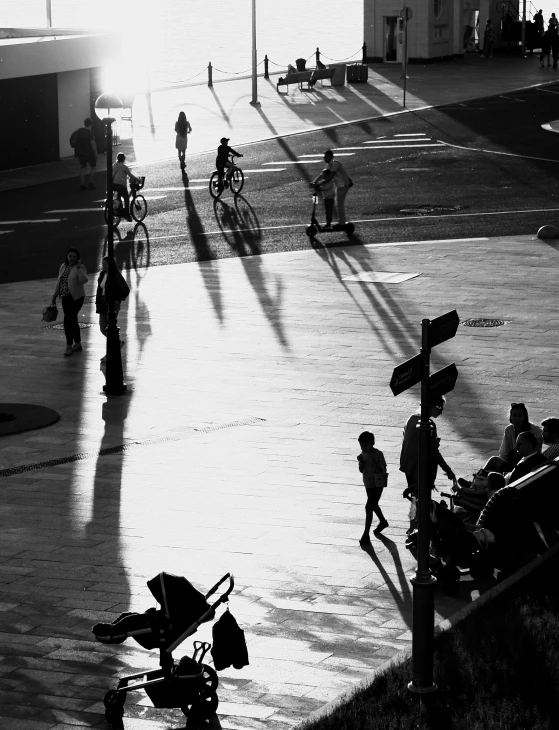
364	53
210	80
318	58
266	74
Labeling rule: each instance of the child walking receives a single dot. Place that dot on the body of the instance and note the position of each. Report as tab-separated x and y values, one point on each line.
325	183
372	465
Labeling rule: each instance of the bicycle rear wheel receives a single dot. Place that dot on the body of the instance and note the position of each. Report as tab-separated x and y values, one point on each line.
216	185
138	208
237	181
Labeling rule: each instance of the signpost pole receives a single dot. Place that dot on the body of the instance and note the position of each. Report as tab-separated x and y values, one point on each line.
405	57
423	582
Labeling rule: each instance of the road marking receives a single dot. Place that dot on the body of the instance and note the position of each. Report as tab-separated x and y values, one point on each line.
400	142
551	126
403	146
10	231
74	210
341	154
37	220
409	134
276	169
494	152
289	162
372	220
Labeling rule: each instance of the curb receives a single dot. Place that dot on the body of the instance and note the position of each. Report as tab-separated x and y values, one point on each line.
440	628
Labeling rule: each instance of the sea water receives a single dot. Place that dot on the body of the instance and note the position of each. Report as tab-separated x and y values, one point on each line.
172	41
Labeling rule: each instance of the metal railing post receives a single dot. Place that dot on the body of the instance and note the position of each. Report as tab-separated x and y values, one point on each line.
317	57
364	53
266	74
210	80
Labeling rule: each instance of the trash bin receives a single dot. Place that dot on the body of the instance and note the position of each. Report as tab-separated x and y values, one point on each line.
300	63
338	79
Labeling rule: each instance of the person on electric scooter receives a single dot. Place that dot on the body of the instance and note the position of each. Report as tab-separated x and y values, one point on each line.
222	160
342	183
325	183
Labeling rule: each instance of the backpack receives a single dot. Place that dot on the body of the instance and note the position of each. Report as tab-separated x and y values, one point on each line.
74	139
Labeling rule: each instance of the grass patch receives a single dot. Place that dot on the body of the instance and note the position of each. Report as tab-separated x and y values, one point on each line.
499	668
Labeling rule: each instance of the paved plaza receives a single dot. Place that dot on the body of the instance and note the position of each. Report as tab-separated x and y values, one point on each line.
235	450
249	382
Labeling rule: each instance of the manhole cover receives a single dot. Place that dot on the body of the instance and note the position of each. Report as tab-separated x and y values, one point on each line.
60	326
430	209
481	322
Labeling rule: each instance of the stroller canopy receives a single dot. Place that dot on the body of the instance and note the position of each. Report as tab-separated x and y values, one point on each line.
181	602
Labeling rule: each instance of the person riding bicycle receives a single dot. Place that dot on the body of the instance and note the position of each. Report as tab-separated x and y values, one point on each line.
222	160
121	173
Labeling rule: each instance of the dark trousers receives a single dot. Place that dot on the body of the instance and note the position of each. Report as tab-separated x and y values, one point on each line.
71	307
328	209
123	190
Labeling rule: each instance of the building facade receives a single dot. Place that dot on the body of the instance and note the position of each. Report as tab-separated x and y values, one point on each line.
49	80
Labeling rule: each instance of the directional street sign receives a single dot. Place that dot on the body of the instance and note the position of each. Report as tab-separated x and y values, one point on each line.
406	375
443	328
443	381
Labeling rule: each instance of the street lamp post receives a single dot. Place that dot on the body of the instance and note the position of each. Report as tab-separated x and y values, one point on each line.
254	101
106	106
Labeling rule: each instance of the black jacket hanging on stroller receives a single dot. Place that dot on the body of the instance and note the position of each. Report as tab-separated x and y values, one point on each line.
229	645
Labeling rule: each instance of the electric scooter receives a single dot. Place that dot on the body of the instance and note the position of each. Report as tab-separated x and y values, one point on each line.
315	226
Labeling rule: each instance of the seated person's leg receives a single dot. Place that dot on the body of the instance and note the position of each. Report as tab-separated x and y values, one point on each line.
495	463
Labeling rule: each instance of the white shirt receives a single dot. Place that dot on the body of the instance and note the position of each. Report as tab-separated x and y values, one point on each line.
341	179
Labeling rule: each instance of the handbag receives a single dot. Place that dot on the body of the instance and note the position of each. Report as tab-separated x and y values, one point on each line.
50	313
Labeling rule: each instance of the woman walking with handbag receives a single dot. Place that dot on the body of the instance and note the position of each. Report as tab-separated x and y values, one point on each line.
183	129
69	287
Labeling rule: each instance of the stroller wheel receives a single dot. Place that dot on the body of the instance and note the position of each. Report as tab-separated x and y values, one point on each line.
204	706
210	677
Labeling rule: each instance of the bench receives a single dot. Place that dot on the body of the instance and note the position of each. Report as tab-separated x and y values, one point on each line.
309	77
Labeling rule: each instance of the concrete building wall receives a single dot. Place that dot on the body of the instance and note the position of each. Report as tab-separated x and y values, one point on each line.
436	29
73	106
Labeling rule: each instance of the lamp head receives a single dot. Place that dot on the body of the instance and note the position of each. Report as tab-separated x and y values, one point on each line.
108	106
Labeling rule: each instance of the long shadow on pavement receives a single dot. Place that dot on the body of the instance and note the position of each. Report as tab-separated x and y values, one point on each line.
204	253
240	227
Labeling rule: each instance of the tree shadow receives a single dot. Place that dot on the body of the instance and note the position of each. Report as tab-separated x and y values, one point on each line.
204	253
240	228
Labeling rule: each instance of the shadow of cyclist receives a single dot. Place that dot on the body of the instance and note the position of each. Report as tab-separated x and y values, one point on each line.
204	253
240	228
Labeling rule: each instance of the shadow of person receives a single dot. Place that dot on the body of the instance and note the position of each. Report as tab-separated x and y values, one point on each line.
105	523
204	253
239	226
402	596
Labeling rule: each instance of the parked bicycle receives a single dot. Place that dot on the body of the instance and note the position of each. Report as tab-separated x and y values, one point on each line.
234	179
138	205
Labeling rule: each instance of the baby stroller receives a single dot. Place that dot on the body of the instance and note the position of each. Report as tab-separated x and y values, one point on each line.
187	684
453	549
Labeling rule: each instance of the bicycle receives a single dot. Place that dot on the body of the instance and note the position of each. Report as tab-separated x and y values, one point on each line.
234	179
138	205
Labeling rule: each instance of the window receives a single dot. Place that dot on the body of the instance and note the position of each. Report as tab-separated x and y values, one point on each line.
438	7
440	33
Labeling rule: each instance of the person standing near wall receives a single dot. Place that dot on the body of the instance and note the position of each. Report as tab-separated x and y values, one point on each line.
488	39
86	152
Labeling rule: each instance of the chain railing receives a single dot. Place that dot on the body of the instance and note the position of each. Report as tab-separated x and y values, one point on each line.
210	69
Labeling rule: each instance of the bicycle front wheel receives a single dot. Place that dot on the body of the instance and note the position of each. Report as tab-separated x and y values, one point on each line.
237	181
138	208
216	185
